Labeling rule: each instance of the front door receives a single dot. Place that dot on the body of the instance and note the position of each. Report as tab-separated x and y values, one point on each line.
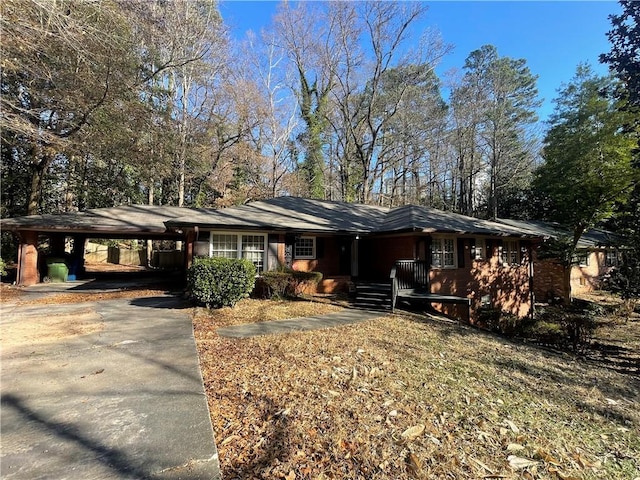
344	255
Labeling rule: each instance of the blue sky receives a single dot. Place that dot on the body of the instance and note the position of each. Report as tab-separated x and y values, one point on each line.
552	36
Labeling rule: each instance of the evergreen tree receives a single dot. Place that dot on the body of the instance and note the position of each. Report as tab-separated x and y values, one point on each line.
587	158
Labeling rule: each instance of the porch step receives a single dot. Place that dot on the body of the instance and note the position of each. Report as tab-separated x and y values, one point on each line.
375	296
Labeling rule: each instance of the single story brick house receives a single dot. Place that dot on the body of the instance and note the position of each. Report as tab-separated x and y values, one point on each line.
597	253
487	263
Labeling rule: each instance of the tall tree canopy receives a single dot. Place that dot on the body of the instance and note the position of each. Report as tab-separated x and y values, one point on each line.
115	101
624	57
494	108
587	155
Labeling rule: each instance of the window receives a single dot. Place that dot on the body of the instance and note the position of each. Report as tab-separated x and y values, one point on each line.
509	252
477	249
253	250
581	258
242	245
443	253
305	248
224	246
612	258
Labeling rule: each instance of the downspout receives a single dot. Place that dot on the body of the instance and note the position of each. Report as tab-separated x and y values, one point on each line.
531	282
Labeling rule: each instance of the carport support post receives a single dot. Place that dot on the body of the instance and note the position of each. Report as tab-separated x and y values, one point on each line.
77	254
189	248
57	244
28	259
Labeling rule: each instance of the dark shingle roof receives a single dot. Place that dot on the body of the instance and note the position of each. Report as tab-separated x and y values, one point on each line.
303	214
425	219
124	219
289	213
590	239
280	214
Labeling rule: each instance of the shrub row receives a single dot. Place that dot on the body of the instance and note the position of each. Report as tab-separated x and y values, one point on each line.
287	283
564	327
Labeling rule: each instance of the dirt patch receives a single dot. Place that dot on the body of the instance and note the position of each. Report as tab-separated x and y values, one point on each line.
111	267
9	293
49	329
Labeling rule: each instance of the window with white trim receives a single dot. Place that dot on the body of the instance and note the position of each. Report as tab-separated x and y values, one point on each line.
443	252
305	248
253	250
509	252
240	245
477	249
612	258
224	245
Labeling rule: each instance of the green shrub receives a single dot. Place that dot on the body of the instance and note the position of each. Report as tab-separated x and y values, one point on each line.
497	321
3	268
220	282
564	327
288	283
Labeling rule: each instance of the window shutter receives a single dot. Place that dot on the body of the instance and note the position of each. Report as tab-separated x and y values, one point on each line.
461	245
289	242
319	247
272	252
498	245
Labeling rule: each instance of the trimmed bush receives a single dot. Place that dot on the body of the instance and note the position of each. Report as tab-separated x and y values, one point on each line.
288	283
220	282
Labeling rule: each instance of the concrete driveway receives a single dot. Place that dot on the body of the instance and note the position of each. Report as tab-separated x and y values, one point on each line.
103	390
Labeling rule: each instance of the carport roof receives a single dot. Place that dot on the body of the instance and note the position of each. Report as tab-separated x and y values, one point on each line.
125	220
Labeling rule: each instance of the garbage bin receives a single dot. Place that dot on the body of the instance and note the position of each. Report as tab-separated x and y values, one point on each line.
75	265
57	270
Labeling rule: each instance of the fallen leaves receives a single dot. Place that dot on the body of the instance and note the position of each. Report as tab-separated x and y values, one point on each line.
519	463
396	399
411	433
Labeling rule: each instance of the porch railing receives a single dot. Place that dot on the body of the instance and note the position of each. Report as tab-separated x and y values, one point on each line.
408	275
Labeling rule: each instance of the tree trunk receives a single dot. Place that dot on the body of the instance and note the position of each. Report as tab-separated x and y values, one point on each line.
37	178
568	296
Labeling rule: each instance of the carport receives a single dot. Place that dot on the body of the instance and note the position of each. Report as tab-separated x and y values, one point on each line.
143	222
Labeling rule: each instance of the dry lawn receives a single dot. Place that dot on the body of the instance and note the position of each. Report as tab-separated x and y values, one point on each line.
12	294
412	397
254	311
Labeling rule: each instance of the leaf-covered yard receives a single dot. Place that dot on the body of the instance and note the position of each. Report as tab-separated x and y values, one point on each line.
413	397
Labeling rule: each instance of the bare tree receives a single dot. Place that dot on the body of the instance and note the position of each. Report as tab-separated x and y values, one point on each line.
365	108
278	122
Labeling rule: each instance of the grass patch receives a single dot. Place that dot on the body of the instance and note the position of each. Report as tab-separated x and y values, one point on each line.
409	397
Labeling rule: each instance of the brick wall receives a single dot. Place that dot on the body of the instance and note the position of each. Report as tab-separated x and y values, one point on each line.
327	262
548	280
379	255
588	278
549	276
506	287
